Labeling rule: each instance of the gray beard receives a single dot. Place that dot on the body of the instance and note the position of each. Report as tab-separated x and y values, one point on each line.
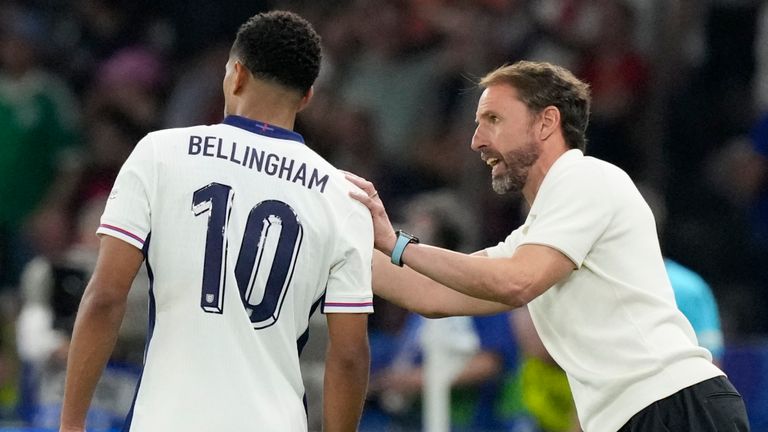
507	183
520	163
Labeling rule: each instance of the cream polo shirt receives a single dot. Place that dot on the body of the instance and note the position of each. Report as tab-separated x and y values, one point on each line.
612	324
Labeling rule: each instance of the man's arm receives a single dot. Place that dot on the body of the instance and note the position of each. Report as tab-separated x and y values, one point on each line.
513	281
346	371
413	291
98	321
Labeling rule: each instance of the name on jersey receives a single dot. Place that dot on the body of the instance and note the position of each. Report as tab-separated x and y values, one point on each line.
268	163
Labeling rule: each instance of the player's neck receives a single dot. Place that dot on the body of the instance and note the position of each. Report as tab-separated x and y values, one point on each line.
268	104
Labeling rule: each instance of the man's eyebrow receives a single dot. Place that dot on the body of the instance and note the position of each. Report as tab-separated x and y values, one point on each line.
485	115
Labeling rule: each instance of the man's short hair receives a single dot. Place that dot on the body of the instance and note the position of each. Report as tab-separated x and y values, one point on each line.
281	47
541	84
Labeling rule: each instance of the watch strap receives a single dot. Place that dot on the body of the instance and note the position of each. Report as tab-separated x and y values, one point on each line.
403	240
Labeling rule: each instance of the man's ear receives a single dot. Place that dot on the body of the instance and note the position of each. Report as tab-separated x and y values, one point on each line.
550	122
241	77
306	98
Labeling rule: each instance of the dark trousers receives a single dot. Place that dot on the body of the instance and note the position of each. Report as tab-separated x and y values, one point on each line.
713	405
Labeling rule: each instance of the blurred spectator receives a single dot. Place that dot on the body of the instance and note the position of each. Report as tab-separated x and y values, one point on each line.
196	96
754	181
396	384
738	175
131	81
475	399
618	76
693	294
395	77
87	32
51	291
111	135
695	299
37	123
563	28
198	25
342	133
540	387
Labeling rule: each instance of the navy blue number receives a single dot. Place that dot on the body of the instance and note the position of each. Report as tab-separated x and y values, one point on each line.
272	225
272	240
216	200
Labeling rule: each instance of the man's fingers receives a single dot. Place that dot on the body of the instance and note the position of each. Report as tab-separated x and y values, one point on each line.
363	184
359	182
354	178
363	198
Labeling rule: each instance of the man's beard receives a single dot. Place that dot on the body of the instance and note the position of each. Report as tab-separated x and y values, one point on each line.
518	164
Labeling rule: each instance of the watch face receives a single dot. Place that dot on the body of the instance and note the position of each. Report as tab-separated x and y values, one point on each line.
410	237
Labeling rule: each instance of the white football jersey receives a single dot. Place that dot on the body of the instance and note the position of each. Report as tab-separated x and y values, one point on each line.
245	231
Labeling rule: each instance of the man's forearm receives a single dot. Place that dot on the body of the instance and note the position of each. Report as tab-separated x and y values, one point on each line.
474	276
513	281
344	390
411	290
93	339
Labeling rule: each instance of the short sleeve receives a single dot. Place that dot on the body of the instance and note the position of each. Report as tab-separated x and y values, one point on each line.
126	215
574	214
349	283
505	248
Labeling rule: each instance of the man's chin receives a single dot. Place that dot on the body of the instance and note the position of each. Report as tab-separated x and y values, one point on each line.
502	186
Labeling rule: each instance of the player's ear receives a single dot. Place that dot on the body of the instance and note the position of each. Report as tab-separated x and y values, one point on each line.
550	121
241	77
306	98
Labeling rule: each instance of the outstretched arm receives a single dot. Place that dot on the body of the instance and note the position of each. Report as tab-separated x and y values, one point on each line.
346	371
413	291
98	321
513	281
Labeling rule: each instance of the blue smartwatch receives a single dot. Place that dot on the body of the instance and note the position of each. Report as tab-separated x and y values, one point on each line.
403	240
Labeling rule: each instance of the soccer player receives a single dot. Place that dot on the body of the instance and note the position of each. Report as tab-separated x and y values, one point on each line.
245	231
586	261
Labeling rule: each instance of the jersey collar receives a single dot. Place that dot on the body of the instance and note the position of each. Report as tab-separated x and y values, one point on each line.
264	129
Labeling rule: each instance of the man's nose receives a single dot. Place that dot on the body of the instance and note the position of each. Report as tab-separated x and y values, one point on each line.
478	142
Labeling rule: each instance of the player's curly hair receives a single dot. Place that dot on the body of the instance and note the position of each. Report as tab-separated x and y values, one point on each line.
279	46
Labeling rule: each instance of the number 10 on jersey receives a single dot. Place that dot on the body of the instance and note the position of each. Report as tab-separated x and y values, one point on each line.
272	232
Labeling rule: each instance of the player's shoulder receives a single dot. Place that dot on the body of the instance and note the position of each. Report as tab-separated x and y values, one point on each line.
162	141
160	135
338	184
338	192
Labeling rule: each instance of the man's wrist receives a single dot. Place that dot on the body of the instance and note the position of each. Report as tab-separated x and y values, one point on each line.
402	240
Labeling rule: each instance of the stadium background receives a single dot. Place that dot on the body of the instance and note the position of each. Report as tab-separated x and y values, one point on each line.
680	102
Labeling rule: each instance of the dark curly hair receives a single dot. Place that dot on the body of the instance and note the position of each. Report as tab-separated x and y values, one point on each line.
281	47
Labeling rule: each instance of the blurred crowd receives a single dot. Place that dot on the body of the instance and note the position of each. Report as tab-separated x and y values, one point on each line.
680	101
